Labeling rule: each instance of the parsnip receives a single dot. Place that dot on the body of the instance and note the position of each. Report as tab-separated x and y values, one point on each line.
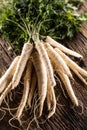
75	68
80	77
7	77
42	52
5	92
26	52
62	48
67	84
51	100
58	60
27	80
32	88
49	97
41	73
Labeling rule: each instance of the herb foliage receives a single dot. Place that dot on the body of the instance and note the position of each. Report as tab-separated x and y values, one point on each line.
20	19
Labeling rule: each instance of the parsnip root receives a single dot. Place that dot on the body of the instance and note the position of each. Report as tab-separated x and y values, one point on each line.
7	77
51	100
42	51
27	79
5	92
57	59
75	68
68	87
36	67
62	48
26	52
41	73
32	88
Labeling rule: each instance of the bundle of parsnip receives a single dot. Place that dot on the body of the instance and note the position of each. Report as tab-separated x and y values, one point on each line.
37	64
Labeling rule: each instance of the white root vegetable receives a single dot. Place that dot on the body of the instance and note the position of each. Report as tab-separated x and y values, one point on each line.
80	77
42	52
36	65
75	68
32	88
49	97
67	84
62	48
27	80
7	77
26	52
5	92
51	100
58	60
41	73
65	79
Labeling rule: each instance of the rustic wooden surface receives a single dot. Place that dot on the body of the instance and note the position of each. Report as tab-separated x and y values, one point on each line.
67	117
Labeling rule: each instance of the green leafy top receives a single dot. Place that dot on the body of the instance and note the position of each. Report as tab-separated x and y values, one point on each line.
21	19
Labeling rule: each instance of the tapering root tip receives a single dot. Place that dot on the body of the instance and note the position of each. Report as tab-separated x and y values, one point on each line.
40	110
